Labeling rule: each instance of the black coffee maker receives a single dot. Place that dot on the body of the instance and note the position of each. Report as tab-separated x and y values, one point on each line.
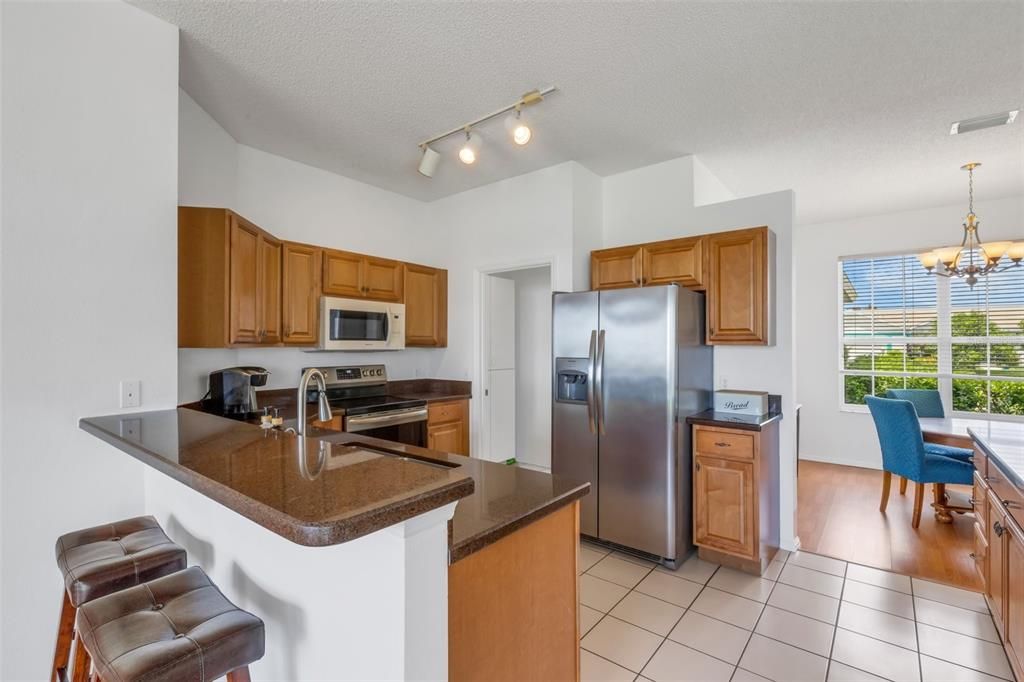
233	391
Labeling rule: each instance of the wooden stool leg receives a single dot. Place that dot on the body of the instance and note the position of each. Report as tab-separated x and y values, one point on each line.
65	629
886	484
239	675
83	662
918	501
903	485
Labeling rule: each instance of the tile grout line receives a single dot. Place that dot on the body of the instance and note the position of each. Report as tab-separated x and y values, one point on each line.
835	630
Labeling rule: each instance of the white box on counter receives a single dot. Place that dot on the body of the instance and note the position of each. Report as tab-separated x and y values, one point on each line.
741	402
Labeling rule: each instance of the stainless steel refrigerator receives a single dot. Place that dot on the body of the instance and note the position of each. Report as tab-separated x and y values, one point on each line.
629	366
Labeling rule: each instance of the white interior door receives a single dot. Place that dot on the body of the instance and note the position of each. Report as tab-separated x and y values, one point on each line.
500	363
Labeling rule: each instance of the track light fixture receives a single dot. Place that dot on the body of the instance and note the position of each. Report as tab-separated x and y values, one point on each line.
471	150
516	124
428	164
518	127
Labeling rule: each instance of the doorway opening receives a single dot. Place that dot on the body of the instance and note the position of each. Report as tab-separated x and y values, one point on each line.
515	366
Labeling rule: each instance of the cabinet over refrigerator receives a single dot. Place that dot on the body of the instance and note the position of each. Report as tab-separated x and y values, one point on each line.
629	366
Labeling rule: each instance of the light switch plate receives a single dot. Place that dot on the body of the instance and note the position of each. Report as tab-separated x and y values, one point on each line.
130	393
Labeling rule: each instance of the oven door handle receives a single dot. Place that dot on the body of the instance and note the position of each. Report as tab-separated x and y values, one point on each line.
380	420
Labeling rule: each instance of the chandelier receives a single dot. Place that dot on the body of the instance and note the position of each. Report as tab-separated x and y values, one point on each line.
971	259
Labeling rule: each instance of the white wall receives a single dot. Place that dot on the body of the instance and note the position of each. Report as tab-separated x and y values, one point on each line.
533	365
207	158
88	277
827	433
656	202
523	221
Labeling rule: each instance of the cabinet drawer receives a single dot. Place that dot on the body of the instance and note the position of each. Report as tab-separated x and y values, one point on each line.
438	413
980	500
1012	499
710	441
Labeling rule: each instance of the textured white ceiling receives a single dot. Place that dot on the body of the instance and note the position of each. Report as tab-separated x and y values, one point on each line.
847	103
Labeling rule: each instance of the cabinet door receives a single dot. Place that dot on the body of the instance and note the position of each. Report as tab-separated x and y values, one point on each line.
426	306
343	274
447	437
383	279
724	506
738	287
979	500
617	268
301	294
995	589
679	261
1014	634
448	426
269	290
244	285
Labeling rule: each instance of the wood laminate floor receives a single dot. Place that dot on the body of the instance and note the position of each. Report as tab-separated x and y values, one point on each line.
838	516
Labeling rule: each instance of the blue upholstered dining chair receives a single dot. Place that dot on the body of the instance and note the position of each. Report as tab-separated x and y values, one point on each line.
904	453
927	402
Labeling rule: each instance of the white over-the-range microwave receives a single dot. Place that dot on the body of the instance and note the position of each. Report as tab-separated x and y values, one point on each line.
355	324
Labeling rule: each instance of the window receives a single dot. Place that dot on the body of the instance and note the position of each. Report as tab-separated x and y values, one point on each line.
904	328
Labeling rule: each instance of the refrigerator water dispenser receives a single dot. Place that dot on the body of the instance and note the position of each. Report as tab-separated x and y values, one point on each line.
571	380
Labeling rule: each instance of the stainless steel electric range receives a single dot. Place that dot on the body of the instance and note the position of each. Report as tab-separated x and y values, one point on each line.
359	395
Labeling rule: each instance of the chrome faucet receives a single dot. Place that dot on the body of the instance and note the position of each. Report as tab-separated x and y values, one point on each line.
324	407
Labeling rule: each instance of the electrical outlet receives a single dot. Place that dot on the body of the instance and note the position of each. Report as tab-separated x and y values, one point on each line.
131	393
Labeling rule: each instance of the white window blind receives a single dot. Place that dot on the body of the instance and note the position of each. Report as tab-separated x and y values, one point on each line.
904	328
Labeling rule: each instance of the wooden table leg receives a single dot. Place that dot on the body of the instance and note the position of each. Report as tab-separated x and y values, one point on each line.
942	511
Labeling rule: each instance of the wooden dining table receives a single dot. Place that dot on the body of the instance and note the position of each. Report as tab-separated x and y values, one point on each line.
954	431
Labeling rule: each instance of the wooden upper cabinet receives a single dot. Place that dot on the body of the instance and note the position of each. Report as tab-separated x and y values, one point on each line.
618	268
678	261
724	505
354	275
244	262
383	279
343	273
737	287
426	306
269	290
229	280
300	308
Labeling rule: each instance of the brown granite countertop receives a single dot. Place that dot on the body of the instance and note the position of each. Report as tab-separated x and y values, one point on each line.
429	390
345	485
731	420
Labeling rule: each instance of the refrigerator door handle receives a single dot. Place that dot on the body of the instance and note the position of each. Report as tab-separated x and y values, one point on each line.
599	376
591	419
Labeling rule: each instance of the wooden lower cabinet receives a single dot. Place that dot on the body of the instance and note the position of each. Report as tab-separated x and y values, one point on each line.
724	518
448	426
513	612
735	495
1000	536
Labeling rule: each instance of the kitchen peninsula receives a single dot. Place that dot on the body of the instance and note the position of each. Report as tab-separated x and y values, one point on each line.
367	559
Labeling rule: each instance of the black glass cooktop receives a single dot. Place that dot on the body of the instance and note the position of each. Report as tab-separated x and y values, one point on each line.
376	403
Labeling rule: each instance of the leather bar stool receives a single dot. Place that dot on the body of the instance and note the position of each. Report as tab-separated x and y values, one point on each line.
179	627
100	561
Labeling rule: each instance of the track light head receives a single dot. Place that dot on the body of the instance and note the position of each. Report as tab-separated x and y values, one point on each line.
471	150
518	128
429	162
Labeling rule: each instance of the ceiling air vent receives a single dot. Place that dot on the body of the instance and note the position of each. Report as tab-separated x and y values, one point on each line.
969	125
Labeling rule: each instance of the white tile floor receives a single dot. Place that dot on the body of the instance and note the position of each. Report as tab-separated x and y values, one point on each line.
808	618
